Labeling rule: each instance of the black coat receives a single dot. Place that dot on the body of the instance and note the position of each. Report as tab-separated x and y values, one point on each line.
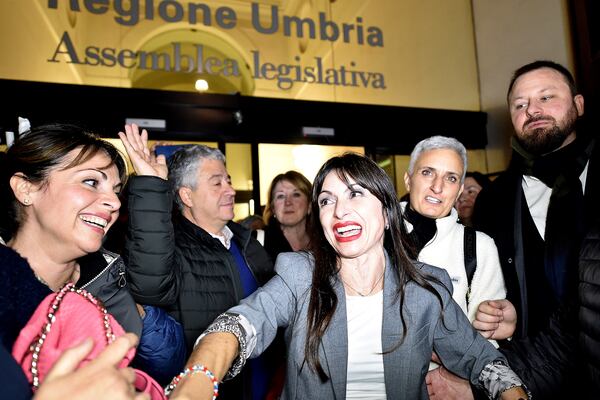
20	294
589	312
12	379
177	265
546	358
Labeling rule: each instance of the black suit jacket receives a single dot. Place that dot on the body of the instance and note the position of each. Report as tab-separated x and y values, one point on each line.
547	360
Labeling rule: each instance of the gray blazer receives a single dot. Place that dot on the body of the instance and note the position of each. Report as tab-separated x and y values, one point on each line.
283	302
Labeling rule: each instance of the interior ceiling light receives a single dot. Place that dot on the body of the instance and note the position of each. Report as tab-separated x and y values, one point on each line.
201	85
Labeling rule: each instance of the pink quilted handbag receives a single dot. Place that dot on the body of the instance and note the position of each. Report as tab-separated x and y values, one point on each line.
63	320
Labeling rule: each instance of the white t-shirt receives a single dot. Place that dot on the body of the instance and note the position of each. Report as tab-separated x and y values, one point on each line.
365	378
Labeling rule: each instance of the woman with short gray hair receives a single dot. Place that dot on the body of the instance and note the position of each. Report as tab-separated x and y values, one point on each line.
434	181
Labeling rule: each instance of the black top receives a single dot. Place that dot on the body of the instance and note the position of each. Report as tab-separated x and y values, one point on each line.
275	241
12	379
21	293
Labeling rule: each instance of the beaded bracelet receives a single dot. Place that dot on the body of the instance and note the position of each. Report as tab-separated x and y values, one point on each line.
194	369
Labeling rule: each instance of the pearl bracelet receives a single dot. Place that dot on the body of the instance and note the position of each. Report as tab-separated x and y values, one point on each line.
194	369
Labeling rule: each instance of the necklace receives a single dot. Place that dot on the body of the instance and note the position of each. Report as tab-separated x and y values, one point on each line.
70	280
372	288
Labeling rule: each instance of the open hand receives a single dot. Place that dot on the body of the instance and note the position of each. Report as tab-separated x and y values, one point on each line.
144	161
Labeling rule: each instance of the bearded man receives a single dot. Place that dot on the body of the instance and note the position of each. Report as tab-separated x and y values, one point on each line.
538	212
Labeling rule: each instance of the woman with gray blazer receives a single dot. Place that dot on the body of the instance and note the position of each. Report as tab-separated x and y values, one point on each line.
361	318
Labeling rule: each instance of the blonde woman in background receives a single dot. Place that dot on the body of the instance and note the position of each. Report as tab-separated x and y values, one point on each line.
286	214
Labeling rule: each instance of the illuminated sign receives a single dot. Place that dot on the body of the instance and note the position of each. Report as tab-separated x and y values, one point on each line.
128	13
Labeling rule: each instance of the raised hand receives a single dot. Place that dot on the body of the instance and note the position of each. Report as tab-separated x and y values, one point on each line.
496	319
144	161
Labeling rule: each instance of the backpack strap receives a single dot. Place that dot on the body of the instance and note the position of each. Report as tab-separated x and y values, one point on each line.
470	252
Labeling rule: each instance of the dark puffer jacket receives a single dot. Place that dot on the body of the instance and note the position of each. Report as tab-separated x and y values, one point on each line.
177	265
589	311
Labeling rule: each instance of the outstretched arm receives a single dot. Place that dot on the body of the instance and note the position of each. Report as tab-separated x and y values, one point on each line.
234	335
216	351
484	366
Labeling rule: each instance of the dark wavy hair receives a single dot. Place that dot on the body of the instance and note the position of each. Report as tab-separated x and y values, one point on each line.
323	300
39	151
